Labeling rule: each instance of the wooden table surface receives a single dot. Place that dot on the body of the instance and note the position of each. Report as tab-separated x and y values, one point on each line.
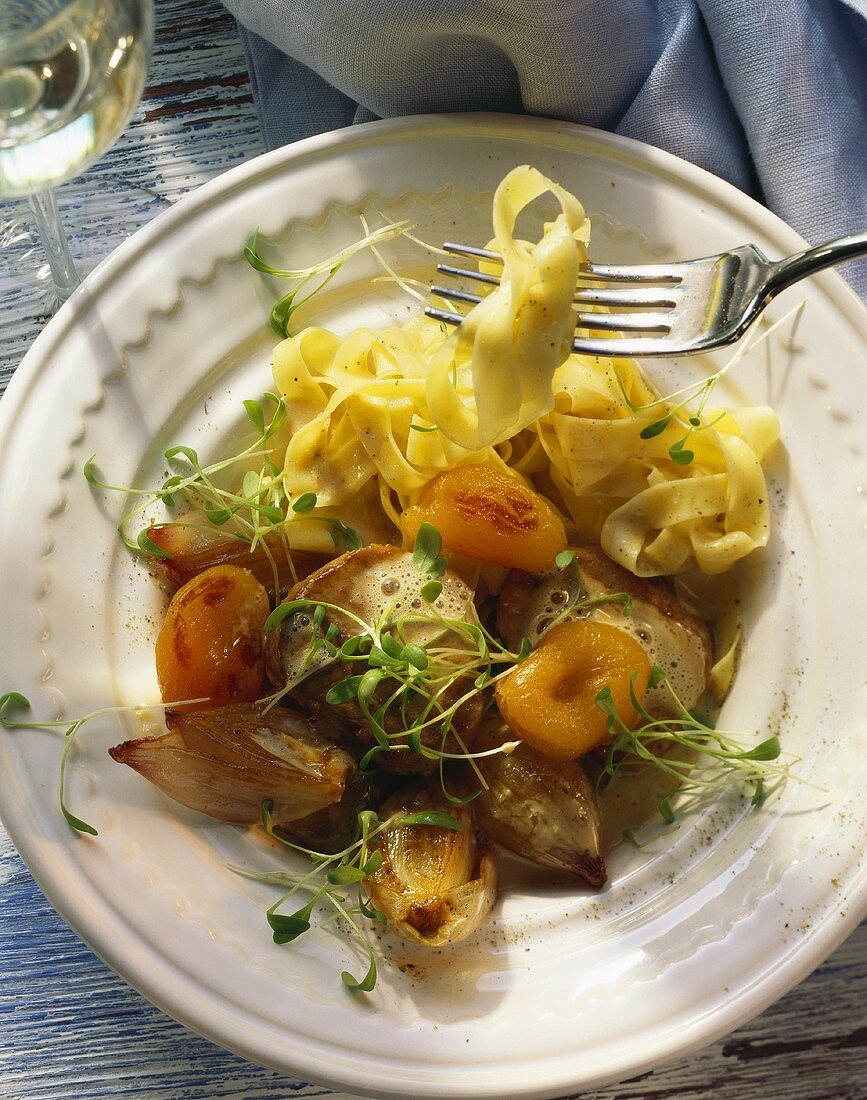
69	1027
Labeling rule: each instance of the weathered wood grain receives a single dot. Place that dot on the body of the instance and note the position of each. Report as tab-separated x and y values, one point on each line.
195	120
69	1027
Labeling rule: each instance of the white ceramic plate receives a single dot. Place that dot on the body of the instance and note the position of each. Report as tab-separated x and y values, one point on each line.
567	988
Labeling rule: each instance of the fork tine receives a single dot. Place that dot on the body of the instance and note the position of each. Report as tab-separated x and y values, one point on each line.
624	322
632	297
443	315
650	297
630	273
635	273
466	273
611	347
585	345
605	322
455	295
647	297
471	250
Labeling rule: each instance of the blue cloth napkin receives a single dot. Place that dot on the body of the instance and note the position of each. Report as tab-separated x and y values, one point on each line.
769	94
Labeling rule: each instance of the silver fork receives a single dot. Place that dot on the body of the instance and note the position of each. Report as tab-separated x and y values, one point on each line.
673	309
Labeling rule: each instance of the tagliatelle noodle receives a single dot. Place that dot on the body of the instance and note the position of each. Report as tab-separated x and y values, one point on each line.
514	340
568	425
650	514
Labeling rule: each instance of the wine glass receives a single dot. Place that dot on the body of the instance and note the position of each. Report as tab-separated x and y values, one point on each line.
71	73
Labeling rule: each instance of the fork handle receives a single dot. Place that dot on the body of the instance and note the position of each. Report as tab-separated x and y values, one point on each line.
802	264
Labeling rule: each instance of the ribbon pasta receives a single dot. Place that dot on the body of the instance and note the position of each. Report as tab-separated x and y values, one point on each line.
389	410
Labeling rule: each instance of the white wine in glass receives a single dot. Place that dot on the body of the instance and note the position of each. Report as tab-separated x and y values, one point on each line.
71	73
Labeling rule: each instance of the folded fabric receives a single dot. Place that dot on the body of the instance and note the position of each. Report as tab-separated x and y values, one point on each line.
771	96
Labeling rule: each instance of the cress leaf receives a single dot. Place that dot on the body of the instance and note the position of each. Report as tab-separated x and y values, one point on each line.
679	454
344	875
214	513
344	691
373	864
367	982
656	428
665	809
370	911
12	700
365	762
165	494
288	927
605	701
657	675
414	655
367	685
256	415
77	824
426	551
146	544
304	504
392	646
431	591
184	452
767	750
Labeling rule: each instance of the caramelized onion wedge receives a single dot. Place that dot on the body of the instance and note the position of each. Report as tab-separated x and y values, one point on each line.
225	761
538	808
435	885
336	826
195	545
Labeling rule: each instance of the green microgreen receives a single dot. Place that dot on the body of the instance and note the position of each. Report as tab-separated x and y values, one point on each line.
687	749
431	591
13	701
427	551
332	876
304	504
304	277
409	671
260	513
686	407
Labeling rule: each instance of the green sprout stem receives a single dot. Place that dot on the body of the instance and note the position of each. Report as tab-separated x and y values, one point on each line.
331	875
13	700
714	759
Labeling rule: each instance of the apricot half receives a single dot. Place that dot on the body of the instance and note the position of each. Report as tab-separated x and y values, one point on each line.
489	516
211	644
549	699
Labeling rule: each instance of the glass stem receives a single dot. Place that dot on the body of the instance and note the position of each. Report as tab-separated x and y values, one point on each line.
43	206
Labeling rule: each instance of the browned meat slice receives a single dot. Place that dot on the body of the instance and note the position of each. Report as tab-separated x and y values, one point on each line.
674	639
362	587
